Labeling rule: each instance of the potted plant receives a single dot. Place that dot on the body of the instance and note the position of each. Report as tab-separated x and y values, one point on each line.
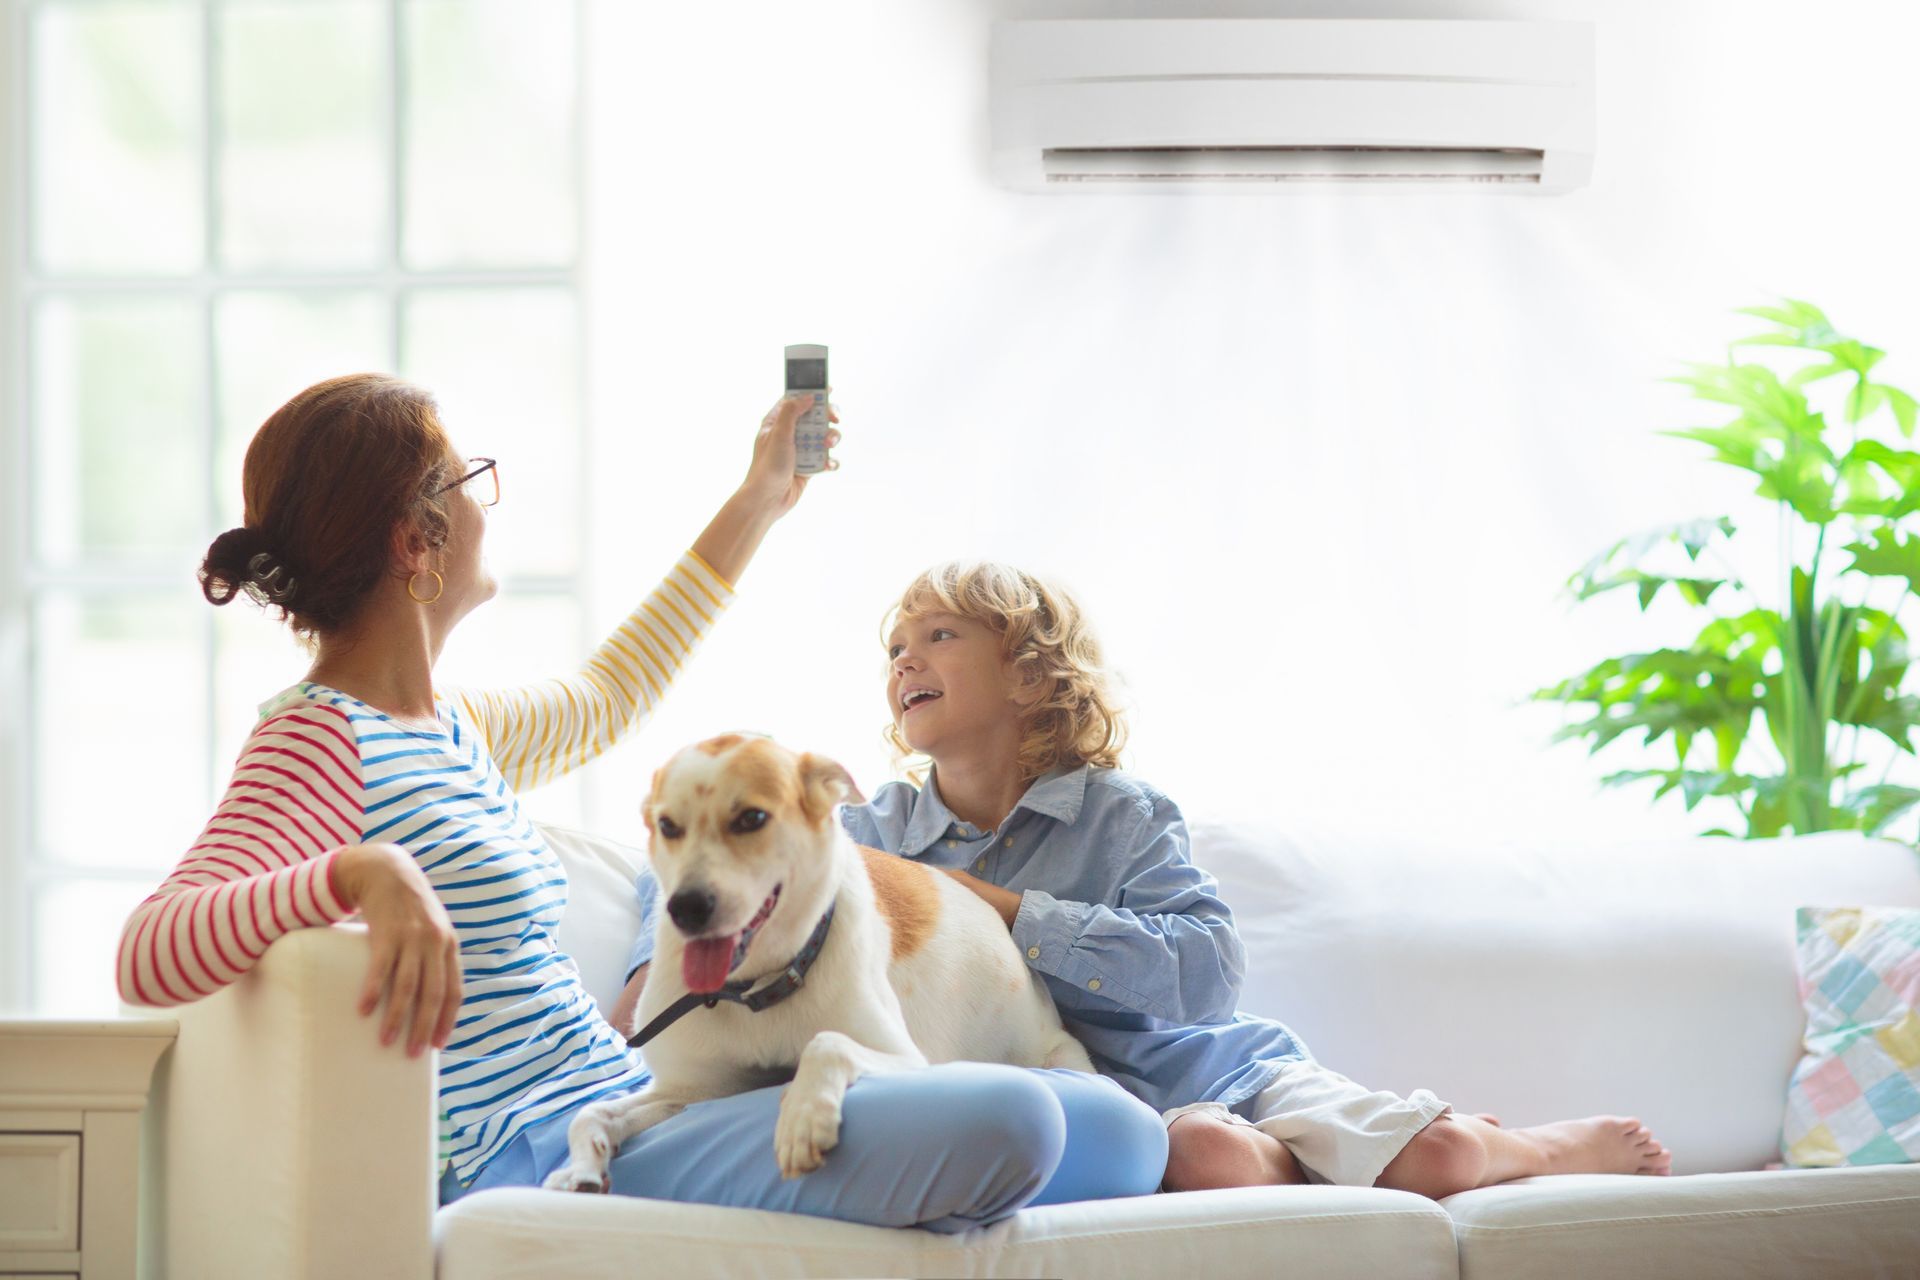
1818	656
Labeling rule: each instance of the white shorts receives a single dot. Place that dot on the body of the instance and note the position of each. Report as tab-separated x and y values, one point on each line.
1340	1132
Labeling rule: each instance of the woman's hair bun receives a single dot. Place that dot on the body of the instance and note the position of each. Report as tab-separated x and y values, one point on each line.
240	560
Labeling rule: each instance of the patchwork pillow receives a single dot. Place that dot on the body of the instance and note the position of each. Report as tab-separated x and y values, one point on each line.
1855	1097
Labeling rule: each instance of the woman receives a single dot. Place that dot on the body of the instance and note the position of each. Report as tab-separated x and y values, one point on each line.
363	791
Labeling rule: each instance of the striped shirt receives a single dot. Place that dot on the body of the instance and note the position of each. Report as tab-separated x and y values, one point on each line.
322	770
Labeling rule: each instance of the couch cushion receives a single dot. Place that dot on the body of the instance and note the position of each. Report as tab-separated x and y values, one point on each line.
1550	978
1292	1231
1831	1223
603	913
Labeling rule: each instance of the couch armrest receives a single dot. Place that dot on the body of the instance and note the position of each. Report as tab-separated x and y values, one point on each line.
283	1139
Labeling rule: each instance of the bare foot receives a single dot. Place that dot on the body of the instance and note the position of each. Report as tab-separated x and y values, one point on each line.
1205	1153
1599	1144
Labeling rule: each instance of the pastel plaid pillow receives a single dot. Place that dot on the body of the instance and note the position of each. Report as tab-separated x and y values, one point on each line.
1855	1097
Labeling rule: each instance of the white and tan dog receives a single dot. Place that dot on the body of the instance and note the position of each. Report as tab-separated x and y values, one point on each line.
913	969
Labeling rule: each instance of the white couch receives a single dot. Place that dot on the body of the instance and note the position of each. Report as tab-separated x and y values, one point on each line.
1533	981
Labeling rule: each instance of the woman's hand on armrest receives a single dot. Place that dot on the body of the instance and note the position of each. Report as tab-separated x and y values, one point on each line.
416	954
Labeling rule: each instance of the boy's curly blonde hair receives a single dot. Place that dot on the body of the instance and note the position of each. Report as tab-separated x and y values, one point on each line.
1043	631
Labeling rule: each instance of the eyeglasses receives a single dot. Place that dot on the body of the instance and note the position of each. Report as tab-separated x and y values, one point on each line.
487	493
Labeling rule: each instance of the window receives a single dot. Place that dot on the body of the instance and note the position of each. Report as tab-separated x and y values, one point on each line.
212	204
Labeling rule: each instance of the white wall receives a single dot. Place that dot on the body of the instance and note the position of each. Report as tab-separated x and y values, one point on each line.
1317	464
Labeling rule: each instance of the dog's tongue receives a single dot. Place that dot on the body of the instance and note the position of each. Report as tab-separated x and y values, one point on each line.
705	963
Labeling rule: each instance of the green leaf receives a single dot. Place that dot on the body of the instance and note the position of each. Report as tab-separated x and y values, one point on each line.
1856	356
1694	785
1694	591
1863	400
1812	373
1767	403
1861	697
1860	488
1902	405
1665	691
1877	806
1805	322
1888	555
1611	567
1895	718
1901	466
1800	480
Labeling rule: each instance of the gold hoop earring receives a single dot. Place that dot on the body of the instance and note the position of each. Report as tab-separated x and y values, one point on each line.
439	585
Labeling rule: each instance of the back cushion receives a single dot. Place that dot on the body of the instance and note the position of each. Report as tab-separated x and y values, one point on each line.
603	913
1547	979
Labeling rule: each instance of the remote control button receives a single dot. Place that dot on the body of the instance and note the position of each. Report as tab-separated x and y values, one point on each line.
819	397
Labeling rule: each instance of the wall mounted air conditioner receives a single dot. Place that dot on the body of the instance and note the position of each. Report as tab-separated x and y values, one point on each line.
1275	104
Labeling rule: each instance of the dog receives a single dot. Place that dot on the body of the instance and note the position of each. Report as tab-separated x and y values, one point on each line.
910	968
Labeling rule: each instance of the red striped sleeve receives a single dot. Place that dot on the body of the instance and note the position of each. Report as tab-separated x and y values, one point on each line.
262	866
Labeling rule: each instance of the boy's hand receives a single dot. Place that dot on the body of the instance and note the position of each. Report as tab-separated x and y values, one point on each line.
1005	901
620	1017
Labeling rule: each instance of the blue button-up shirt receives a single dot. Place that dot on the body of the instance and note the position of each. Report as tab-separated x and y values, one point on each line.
1136	947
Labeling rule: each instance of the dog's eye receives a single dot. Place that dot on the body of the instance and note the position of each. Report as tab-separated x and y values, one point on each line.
750	820
669	829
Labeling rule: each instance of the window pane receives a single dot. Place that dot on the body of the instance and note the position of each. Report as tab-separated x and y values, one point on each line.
119	463
119	726
304	177
114	137
515	640
274	345
502	364
489	110
76	935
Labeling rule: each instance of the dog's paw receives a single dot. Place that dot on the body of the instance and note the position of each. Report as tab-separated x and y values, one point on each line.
808	1128
572	1177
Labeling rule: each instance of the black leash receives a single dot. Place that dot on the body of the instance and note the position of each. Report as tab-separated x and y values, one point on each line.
790	980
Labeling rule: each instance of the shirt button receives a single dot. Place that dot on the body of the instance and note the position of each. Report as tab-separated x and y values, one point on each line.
1093	984
1008	842
952	843
980	865
1033	953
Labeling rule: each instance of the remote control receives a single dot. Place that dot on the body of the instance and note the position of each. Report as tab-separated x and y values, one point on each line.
807	375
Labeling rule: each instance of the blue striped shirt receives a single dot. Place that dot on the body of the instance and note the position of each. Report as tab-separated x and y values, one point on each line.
324	769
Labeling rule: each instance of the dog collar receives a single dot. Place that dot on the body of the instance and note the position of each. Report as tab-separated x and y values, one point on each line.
784	984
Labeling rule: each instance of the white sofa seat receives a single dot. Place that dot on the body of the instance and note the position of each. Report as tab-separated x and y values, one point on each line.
1308	1231
1836	1224
1830	1223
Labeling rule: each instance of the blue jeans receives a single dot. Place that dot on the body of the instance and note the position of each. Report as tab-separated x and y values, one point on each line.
947	1148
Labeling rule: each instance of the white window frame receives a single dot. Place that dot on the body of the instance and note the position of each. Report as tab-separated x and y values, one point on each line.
25	871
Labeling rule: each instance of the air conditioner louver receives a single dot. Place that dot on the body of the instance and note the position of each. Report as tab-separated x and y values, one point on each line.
1290	164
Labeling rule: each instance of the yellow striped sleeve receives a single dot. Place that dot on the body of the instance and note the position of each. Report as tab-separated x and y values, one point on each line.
540	731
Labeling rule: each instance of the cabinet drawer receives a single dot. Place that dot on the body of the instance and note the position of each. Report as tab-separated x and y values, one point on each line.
39	1191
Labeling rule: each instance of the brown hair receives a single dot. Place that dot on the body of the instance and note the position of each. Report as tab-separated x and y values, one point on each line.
1044	632
327	479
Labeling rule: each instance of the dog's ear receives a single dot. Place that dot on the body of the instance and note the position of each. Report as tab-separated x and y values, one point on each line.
825	783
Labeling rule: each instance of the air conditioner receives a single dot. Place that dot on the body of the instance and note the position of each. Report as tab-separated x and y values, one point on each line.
1279	104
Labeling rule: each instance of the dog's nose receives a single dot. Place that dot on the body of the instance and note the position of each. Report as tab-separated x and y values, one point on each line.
691	909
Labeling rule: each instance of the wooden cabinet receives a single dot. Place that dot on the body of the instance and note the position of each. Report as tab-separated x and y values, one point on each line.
71	1096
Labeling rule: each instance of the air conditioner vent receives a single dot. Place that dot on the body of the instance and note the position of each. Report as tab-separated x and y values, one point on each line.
1292	164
